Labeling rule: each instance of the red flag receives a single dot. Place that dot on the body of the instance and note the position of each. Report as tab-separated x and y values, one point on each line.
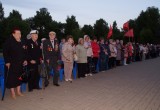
110	32
129	33
126	26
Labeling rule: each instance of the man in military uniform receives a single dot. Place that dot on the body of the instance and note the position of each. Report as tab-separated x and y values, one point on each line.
51	56
34	56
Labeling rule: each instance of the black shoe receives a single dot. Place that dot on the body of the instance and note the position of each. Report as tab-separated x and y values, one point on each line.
56	85
94	72
30	90
39	88
46	83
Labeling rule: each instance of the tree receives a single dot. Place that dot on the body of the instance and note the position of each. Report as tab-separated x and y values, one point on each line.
146	36
71	24
148	19
43	22
116	31
101	28
76	33
31	23
1	12
15	15
72	27
1	24
15	20
88	30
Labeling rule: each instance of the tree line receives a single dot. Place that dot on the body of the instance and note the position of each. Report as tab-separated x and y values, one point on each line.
146	26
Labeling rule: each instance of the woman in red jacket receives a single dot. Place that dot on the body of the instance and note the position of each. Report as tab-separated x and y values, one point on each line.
96	50
125	54
130	52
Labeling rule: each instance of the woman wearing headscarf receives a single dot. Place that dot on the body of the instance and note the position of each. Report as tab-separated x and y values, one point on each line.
87	45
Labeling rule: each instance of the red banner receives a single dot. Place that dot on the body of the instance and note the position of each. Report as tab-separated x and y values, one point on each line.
110	32
129	33
126	26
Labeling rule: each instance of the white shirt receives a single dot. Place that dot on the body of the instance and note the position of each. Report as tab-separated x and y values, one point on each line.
52	42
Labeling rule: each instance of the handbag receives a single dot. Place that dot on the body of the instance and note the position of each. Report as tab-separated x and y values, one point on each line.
75	57
25	75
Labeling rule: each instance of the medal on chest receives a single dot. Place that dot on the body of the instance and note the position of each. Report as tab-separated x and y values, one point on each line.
24	47
32	46
49	48
56	47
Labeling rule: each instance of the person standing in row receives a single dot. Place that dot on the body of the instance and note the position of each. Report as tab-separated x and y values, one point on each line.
96	50
125	54
81	52
103	59
63	40
87	45
122	52
14	56
67	58
113	53
107	55
34	56
51	56
119	53
130	52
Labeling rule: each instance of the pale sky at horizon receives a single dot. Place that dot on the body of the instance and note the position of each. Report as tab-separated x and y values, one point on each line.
86	11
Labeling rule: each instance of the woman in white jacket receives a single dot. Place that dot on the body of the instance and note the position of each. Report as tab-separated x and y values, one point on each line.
87	45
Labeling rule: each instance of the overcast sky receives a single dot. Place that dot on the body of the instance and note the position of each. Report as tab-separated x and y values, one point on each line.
86	11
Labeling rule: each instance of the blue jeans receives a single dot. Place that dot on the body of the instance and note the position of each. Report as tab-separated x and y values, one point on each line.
103	62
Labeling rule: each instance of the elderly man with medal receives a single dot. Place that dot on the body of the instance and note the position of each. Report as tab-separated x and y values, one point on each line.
51	54
34	56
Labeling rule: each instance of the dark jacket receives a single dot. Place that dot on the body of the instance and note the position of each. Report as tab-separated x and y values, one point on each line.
49	52
102	48
14	53
34	51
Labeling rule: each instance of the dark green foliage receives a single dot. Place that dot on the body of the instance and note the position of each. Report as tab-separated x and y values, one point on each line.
146	26
101	28
1	12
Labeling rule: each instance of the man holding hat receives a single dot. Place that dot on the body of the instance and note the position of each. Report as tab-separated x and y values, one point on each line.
51	56
34	56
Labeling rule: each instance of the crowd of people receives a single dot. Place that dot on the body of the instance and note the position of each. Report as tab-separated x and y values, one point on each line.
87	55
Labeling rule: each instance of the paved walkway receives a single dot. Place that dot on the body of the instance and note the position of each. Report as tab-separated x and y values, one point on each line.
132	87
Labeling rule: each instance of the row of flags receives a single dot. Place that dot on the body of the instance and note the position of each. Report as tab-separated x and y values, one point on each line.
128	32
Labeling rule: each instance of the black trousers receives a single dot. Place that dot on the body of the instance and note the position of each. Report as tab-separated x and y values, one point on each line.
33	82
95	61
118	62
129	59
112	62
82	69
89	61
53	66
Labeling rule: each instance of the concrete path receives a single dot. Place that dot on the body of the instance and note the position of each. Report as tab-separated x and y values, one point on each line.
131	87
